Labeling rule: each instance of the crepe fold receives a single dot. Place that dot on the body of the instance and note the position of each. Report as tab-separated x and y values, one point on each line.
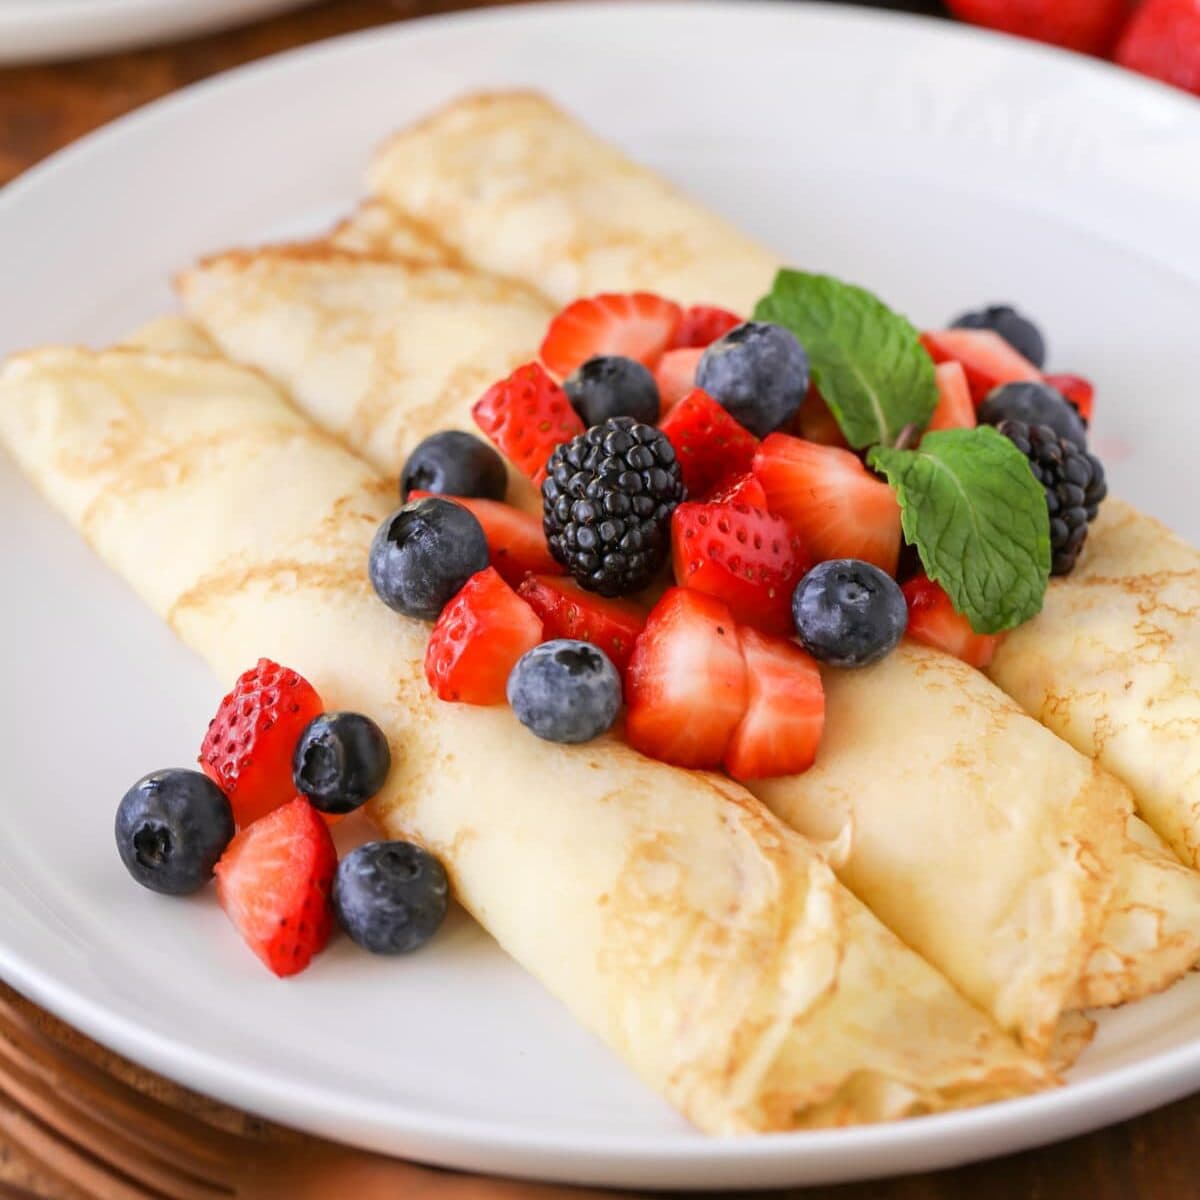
981	839
674	916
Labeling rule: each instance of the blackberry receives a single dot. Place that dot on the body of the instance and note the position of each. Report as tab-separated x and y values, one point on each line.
1074	483
607	502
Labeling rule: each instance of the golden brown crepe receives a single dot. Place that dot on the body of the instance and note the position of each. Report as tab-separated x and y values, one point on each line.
672	914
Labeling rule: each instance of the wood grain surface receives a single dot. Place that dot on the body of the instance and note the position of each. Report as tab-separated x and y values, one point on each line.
45	107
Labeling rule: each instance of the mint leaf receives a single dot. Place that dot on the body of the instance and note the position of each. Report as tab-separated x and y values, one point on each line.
978	518
866	360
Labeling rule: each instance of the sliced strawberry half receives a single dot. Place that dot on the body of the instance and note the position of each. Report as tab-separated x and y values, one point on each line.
686	688
676	376
955	408
986	357
633	324
785	717
516	540
274	880
710	444
1078	391
743	556
477	640
567	611
839	509
816	422
702	324
526	416
933	622
740	489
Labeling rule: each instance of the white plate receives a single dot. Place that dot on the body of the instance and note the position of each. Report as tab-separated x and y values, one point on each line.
940	166
33	30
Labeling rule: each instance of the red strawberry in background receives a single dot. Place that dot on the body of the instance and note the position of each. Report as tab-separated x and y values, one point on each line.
1078	391
247	751
1089	26
933	621
567	611
710	445
274	880
986	357
1162	40
702	324
815	421
676	376
637	325
526	416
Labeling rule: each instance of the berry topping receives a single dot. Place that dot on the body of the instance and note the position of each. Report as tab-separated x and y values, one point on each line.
341	761
526	416
608	501
391	897
478	639
612	386
637	325
1018	331
933	622
782	727
565	691
423	553
686	689
1034	403
759	372
986	357
1078	392
710	444
849	613
1086	25
675	376
1162	40
702	324
456	464
743	556
1074	483
515	539
172	827
815	421
955	408
839	509
740	489
567	611
274	882
247	751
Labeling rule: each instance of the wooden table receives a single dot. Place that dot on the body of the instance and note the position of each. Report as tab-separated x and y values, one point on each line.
43	108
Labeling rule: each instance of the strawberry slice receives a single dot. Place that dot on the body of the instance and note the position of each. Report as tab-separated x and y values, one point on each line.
1162	40
986	357
743	556
955	408
477	640
567	611
526	416
781	730
702	324
1078	391
933	622
676	376
740	489
686	688
710	444
634	324
274	880
1087	25
839	509
816	422
516	540
247	751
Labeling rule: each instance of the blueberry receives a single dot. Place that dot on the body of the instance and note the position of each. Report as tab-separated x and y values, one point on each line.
565	691
849	613
612	386
759	372
172	827
390	897
1018	331
341	761
423	554
1034	403
454	463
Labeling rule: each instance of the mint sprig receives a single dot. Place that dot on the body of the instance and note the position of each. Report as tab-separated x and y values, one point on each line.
866	360
978	518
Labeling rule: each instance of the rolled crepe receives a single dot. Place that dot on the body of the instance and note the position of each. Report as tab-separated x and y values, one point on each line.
1112	665
668	910
941	795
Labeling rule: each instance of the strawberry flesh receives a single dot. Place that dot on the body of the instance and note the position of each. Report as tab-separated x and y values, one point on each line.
932	621
816	423
710	445
567	611
636	325
274	882
740	489
955	408
676	376
702	324
986	357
